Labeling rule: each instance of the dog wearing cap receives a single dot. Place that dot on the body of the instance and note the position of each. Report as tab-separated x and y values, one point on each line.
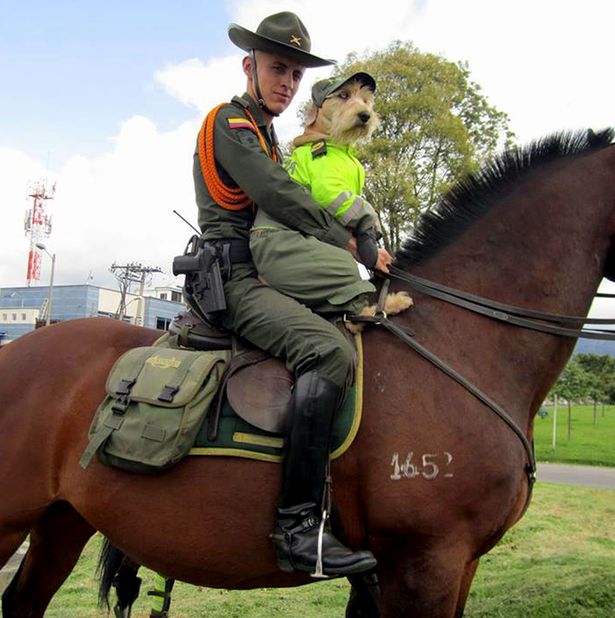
340	114
341	111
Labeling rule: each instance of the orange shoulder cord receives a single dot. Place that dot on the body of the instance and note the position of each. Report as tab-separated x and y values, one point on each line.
227	197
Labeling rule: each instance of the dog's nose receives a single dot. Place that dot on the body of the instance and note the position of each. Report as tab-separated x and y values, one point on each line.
364	117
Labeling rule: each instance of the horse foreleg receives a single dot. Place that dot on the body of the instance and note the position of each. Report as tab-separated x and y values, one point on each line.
464	589
10	543
56	542
364	601
423	584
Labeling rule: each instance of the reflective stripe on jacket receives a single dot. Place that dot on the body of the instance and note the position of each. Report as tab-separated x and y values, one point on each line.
335	178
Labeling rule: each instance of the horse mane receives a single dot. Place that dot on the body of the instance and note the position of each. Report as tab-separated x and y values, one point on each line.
476	194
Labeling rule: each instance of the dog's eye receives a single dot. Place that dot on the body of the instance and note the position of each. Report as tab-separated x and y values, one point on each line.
343	95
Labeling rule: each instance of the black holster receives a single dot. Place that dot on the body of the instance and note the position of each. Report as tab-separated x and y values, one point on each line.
206	266
203	285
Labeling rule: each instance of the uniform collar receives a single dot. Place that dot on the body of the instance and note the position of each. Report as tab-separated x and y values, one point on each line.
246	101
310	138
349	148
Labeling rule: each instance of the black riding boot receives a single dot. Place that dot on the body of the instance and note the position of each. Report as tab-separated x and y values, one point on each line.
296	534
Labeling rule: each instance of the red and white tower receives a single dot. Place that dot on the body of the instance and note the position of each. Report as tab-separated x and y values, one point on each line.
37	226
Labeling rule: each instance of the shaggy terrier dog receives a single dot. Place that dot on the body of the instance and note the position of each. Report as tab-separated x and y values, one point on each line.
346	116
342	113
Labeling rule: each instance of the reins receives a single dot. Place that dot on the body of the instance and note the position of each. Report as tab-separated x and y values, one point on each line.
516	316
551	323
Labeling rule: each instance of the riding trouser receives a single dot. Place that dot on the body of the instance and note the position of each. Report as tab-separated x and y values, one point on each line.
285	328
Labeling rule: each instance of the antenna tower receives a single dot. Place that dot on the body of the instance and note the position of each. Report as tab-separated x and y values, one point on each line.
37	226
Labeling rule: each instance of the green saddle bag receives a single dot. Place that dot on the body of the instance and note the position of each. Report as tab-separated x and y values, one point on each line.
156	401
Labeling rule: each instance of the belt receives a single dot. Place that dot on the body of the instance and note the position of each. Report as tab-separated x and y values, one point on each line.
234	250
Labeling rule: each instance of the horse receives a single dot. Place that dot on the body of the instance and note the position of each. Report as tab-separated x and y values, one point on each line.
433	479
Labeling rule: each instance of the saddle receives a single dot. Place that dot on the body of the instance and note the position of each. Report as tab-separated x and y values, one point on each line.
257	385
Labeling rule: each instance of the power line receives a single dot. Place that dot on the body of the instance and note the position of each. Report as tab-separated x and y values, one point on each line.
126	275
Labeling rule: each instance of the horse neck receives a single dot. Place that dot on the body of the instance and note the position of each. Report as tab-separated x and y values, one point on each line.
542	247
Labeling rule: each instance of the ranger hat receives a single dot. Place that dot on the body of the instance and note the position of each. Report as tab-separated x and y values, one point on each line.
323	88
282	33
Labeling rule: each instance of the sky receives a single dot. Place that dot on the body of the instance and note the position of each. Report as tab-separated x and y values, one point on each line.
105	100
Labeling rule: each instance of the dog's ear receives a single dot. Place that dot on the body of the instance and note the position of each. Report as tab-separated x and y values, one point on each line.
311	115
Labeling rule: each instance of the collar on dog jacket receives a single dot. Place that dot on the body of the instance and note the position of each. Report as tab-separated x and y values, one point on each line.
335	178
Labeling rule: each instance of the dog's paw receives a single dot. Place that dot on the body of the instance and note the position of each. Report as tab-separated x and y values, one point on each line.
397	302
357	327
354	327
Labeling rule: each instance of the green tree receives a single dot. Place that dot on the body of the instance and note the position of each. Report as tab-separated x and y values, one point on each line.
436	125
573	384
601	368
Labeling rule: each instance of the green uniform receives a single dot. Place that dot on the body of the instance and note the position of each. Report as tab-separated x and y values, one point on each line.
270	320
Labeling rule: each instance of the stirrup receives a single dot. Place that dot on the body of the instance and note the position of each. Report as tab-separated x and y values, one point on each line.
318	572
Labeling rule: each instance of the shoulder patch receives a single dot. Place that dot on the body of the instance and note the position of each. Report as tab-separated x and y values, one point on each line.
240	123
318	148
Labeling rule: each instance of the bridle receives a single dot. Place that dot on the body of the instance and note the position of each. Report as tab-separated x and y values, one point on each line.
551	323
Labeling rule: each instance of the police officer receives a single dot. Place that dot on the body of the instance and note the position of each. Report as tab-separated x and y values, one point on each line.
237	171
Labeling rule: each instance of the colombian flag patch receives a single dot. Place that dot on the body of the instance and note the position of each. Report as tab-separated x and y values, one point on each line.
239	123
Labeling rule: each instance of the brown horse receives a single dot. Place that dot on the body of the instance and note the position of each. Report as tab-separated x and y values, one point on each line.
433	479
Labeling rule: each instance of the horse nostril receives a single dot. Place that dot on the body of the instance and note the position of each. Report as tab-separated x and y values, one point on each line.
364	116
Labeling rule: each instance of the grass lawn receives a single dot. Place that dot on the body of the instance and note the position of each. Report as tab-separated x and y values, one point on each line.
558	562
589	444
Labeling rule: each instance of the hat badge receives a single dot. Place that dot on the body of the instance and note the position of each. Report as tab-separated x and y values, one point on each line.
295	40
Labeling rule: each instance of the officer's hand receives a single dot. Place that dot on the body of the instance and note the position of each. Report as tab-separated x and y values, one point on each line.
384	260
352	246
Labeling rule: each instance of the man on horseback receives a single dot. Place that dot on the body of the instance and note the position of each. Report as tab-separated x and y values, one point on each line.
236	170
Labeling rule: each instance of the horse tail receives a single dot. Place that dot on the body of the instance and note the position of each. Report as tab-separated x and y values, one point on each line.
109	563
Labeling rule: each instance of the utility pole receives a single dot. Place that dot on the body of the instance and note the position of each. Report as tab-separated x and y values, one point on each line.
126	275
48	305
554	438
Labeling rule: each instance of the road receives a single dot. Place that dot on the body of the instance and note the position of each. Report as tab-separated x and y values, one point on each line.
587	476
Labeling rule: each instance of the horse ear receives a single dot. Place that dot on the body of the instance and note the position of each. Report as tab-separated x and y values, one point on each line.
311	115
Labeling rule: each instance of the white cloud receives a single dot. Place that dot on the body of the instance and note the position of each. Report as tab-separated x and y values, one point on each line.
113	208
544	63
203	85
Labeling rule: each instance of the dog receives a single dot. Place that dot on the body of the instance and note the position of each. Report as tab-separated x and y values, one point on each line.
342	113
346	115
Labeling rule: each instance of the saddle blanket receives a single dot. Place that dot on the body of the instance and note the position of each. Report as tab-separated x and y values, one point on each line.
237	438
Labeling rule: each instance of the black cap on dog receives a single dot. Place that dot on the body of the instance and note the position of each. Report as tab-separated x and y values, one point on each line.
323	88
